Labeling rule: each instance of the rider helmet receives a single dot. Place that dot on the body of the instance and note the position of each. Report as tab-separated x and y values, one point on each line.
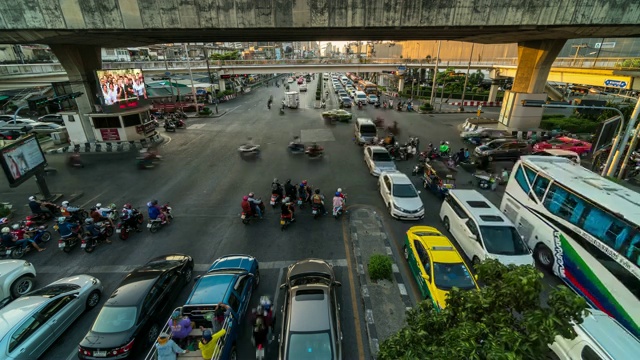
6	230
251	195
338	193
446	143
286	200
127	206
275	180
317	191
259	309
112	206
288	181
245	198
15	226
98	205
62	219
154	202
340	190
65	203
88	221
32	198
441	142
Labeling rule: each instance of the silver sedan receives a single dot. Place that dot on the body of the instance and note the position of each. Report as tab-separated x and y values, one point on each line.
31	323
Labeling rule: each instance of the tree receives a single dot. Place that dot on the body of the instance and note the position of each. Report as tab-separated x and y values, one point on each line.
230	55
476	78
504	320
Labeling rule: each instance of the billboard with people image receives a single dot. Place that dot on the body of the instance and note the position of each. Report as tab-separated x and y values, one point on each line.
22	159
121	89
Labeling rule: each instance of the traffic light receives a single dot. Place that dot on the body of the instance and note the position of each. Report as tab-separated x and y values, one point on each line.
65	97
37	102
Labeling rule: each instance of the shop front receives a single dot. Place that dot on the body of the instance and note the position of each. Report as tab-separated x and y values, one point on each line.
133	125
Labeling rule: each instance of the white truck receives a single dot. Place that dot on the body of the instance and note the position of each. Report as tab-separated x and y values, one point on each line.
291	99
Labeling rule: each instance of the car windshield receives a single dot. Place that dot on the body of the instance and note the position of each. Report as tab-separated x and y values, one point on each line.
448	276
381	156
404	191
503	240
370	130
114	319
313	346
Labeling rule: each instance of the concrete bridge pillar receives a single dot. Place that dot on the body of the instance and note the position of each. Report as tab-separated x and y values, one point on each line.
493	90
222	85
80	62
401	84
534	63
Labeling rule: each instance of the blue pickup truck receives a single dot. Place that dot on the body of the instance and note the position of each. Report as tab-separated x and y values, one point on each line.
230	280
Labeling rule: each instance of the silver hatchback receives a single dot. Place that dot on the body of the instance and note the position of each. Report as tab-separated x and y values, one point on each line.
311	313
31	323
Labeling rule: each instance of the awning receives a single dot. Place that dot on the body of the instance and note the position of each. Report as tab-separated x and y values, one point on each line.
3	97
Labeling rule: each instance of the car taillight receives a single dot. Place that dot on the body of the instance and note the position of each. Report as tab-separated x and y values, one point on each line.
84	352
122	350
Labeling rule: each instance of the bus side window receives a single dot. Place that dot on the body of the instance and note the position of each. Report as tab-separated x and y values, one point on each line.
540	186
520	179
633	249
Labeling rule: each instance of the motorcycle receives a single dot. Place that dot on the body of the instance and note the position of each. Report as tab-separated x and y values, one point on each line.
124	227
154	224
314	153
285	221
379	122
74	160
295	146
246	218
315	211
275	199
181	115
178	123
42	235
337	211
377	104
249	149
39	218
90	242
147	160
169	126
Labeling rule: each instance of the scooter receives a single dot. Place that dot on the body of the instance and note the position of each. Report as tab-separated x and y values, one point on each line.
124	228
42	235
315	211
169	126
74	160
247	218
90	242
314	153
275	199
154	224
285	221
337	212
178	123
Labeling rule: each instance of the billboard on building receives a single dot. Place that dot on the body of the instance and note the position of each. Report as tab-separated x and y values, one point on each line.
22	159
121	89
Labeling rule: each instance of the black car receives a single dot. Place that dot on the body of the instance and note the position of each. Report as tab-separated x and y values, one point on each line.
346	102
136	311
502	149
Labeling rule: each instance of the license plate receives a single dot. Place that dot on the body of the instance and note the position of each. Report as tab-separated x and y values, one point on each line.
83	246
273	202
281	222
314	212
55	227
299	202
100	353
8	252
149	225
118	231
243	216
61	245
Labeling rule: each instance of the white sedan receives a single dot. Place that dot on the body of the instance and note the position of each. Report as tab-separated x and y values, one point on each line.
45	128
400	196
16	278
378	160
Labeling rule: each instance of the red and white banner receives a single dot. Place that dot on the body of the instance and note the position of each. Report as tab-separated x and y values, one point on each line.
478	103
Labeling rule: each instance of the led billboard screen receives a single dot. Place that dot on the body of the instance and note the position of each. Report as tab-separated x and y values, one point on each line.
121	89
22	159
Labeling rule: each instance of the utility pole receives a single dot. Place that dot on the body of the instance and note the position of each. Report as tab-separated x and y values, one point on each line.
577	47
435	74
623	144
193	88
166	66
466	78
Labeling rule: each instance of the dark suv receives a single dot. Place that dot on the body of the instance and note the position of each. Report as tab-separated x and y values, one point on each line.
502	149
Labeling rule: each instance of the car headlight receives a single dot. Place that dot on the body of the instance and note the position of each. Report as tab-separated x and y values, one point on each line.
26	263
377	170
398	208
421	208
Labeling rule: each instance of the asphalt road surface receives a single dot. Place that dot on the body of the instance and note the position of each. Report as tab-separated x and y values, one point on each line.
204	178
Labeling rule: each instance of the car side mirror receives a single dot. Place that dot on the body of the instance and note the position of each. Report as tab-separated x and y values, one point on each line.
473	237
196	278
283	286
337	283
427	278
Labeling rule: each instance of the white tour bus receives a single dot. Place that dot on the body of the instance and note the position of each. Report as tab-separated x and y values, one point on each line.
584	228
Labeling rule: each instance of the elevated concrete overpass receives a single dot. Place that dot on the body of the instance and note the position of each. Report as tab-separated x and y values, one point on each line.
115	23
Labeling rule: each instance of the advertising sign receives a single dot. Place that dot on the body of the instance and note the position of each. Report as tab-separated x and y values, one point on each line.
21	160
615	83
121	89
110	134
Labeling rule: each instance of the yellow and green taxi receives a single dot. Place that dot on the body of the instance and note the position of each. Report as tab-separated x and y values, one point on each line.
436	264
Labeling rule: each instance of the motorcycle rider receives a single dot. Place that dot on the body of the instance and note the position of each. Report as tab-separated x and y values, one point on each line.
289	189
276	188
93	230
9	240
128	217
287	209
106	212
246	206
314	150
67	228
255	204
304	192
318	200
36	207
444	148
296	144
156	212
68	210
260	332
338	202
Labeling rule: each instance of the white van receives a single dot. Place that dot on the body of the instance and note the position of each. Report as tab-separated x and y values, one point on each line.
365	131
481	230
599	337
360	96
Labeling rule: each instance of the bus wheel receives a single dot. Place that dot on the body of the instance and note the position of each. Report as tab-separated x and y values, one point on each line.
544	256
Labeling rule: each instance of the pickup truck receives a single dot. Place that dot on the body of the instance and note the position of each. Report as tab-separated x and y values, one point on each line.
230	280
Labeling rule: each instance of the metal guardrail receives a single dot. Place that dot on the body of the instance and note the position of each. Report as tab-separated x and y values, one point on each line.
33	69
217	354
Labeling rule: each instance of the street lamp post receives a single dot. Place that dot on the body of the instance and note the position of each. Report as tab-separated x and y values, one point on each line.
466	78
435	74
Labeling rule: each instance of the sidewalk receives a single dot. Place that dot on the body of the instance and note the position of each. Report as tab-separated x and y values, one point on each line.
385	302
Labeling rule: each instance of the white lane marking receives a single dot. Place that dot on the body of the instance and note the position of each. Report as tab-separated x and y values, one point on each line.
196	126
277	292
230	111
74	354
403	289
119	269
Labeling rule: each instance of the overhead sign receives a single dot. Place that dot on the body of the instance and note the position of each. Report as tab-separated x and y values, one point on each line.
402	68
605	45
616	83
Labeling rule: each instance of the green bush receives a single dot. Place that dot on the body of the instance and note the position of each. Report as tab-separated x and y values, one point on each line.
4	211
205	111
570	124
380	267
553	116
426	107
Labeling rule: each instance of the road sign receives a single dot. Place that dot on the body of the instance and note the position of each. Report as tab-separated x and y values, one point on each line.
168	73
616	83
605	45
402	68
